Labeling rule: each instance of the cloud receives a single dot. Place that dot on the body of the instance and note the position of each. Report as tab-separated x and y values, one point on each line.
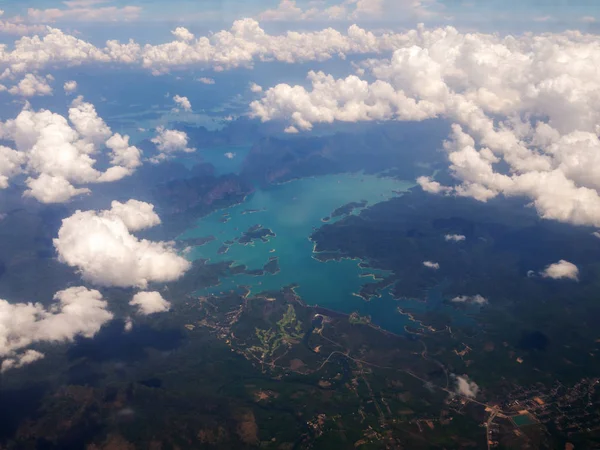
350	10
466	387
561	269
229	155
205	80
431	265
182	34
70	86
150	303
244	44
431	186
588	19
57	153
16	26
84	11
168	142
31	85
100	245
78	311
524	111
455	237
472	299
255	88
183	103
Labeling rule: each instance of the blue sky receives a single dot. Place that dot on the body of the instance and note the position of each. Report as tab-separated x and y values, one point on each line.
485	13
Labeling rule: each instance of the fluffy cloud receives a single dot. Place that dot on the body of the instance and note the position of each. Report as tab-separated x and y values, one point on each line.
168	142
31	85
561	269
229	155
182	34
525	112
431	265
16	26
70	86
431	186
100	245
78	312
472	299
241	46
255	88
183	103
454	237
205	80
466	387
57	153
150	303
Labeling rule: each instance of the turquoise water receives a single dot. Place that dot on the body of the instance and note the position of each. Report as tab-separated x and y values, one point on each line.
293	211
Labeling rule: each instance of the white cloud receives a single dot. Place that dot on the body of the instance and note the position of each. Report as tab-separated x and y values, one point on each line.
150	303
100	245
57	153
255	88
84	11
241	46
588	19
183	34
473	299
347	10
597	234
455	237
287	10
16	26
31	85
431	265
229	155
206	80
78	312
128	325
183	103
531	104
466	387
431	186
168	142
70	86
561	269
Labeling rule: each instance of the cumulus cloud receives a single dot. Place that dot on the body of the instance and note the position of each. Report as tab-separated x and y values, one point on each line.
455	237
472	299
255	88
466	387
31	85
561	269
70	86
78	311
431	265
241	46
431	186
150	303
168	142
525	112
229	155
183	103
206	80
57	153
182	34
100	245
